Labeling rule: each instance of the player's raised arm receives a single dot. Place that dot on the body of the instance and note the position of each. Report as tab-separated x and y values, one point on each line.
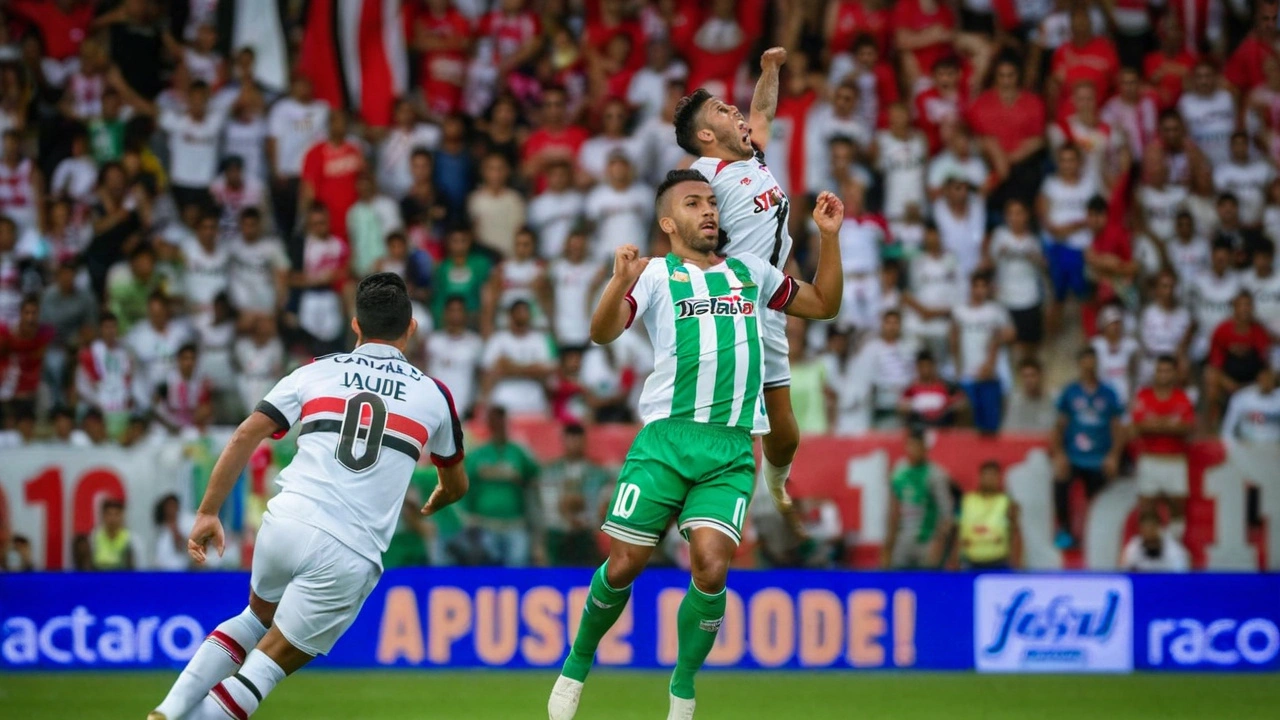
207	528
617	308
821	299
764	101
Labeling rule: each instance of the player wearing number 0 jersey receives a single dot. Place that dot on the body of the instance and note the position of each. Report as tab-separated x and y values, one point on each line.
364	420
754	217
693	458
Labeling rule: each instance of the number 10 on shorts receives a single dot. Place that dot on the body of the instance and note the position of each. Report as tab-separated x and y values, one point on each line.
625	503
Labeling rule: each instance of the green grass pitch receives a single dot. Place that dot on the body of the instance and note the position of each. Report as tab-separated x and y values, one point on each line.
621	695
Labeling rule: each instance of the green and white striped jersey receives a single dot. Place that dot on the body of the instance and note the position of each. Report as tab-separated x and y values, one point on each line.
705	329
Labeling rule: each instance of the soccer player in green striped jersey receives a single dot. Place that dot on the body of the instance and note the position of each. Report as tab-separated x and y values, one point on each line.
701	407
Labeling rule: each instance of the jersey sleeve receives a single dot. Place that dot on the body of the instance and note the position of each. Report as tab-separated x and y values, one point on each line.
777	289
640	296
283	404
445	443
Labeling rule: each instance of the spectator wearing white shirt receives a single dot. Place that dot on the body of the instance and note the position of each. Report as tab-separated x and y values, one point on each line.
206	264
369	221
453	355
654	134
517	364
396	149
862	236
1164	328
900	155
647	92
193	146
620	210
1132	112
245	134
958	160
1019	262
1187	253
1099	143
257	279
886	364
1062	209
76	177
319	316
980	329
294	124
593	156
575	279
1245	177
1159	200
961	217
1253	416
172	527
234	191
556	211
828	120
1154	549
154	344
259	361
1209	111
934	287
1212	294
1263	282
1118	353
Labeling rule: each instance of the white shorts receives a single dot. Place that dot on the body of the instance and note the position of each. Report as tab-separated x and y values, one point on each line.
777	351
319	583
1162	475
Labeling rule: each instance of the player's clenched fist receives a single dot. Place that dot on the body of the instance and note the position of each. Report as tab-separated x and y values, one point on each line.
828	213
773	57
627	263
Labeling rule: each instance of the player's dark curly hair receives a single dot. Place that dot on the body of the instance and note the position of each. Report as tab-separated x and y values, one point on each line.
674	178
383	311
688	110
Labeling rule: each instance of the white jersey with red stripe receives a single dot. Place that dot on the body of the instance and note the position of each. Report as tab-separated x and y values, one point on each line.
753	207
365	418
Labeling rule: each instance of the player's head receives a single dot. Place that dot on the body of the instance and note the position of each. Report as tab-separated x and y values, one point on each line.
1166	372
687	212
707	125
383	312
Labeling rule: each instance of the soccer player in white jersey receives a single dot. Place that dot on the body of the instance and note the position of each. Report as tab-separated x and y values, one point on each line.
366	417
730	151
701	406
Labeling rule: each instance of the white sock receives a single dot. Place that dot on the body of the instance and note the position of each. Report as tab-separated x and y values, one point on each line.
775	477
239	696
217	657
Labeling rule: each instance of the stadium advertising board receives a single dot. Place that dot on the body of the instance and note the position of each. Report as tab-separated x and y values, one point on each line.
1180	626
1053	623
502	618
52	497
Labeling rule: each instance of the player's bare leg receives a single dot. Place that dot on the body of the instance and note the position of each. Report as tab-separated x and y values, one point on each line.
221	654
779	450
610	591
238	697
701	612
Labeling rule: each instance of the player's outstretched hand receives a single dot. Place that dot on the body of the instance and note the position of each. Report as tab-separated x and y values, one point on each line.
627	263
207	529
773	57
828	213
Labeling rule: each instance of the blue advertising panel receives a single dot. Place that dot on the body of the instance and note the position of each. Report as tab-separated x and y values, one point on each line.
1207	622
465	617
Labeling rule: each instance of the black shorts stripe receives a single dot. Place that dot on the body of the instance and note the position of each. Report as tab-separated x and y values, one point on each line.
389	442
249	686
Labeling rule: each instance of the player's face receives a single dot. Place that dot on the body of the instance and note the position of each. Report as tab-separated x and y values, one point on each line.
729	127
696	216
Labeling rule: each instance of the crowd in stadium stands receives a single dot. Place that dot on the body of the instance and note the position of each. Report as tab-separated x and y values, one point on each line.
179	228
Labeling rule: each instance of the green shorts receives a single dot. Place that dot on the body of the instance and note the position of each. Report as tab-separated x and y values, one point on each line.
704	473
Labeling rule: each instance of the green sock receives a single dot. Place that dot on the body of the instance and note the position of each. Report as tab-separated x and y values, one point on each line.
604	607
697	623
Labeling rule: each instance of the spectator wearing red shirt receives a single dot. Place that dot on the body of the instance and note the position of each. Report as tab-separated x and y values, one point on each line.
1163	418
847	20
930	400
924	32
22	351
1109	257
1009	123
938	108
611	22
1168	67
444	37
62	24
1244	69
1238	350
330	169
1087	58
555	140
